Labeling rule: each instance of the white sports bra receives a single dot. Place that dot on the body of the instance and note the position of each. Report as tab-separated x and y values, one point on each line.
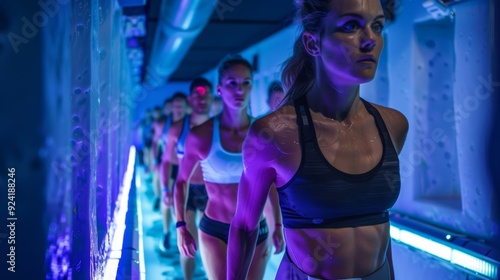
221	166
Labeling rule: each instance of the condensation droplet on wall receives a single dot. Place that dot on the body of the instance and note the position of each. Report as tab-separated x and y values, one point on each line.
430	44
102	55
447	155
77	134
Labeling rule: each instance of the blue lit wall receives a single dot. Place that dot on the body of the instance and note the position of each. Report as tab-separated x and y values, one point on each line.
92	150
151	97
440	74
67	98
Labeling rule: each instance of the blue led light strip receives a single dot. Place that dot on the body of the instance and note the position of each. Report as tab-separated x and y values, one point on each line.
447	252
142	266
117	229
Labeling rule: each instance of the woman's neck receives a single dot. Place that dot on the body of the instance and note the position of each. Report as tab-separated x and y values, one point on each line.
338	102
235	118
197	119
175	119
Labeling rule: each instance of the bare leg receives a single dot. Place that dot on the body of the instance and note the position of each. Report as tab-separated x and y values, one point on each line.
151	159
156	182
213	254
259	261
268	212
189	264
167	215
146	158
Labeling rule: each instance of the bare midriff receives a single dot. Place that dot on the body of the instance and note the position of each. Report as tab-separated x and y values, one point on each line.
327	253
221	205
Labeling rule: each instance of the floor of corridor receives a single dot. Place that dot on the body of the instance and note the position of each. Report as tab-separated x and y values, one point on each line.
166	266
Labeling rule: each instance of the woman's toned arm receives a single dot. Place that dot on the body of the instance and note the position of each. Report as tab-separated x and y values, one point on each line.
253	191
185	241
278	241
166	166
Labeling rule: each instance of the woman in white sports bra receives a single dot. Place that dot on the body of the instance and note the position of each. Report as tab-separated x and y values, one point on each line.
218	145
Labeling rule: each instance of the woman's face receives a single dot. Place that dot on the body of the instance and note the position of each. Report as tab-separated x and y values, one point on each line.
200	99
179	108
167	108
352	40
235	86
156	114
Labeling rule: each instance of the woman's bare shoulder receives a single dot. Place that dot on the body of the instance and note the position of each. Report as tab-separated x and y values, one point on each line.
202	132
276	121
396	123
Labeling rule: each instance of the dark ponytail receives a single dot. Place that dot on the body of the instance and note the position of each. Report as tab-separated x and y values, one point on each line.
298	72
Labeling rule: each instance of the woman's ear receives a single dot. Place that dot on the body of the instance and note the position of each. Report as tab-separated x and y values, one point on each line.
311	43
218	90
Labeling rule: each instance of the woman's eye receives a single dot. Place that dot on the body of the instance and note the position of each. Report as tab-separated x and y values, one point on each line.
350	26
377	27
247	83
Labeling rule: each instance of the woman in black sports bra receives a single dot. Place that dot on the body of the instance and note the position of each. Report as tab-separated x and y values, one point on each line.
332	155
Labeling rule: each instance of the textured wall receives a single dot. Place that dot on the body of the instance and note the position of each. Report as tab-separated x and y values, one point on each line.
65	115
439	77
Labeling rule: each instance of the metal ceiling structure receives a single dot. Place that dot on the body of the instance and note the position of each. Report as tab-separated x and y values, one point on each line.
232	27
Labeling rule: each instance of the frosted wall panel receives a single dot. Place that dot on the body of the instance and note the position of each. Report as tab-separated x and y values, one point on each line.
434	156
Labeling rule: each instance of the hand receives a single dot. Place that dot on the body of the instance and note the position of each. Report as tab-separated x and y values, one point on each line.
168	200
278	240
185	242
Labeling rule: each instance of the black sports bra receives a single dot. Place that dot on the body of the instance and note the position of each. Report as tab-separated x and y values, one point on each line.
321	196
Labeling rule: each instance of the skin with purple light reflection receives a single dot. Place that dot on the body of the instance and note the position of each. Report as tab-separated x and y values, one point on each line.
178	109
160	120
199	100
345	54
234	87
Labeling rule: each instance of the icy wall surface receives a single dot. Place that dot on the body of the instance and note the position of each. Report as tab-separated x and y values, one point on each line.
441	78
87	87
